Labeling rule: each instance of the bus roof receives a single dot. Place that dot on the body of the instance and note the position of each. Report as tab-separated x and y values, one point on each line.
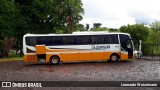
91	32
78	33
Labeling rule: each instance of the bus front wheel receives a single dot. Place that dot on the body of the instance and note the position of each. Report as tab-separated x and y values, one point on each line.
55	60
114	57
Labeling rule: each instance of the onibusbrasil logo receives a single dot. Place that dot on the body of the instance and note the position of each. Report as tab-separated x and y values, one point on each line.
21	84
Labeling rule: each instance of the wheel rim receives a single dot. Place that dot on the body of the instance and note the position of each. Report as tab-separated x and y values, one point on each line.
114	58
54	60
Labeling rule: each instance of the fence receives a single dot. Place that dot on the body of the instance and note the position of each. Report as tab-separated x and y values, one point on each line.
151	51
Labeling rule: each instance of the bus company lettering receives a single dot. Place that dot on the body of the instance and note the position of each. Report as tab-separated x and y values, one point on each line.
100	47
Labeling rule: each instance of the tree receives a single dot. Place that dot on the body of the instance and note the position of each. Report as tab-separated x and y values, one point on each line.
87	26
97	25
72	10
80	27
37	15
137	32
155	35
100	29
113	30
155	26
8	22
45	16
19	17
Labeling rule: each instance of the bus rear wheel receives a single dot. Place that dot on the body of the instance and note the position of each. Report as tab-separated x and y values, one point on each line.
54	60
114	58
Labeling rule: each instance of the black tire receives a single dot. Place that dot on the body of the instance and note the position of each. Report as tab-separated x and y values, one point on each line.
54	60
114	58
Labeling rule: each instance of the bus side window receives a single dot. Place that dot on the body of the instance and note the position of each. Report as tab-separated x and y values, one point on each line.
114	39
101	39
64	40
58	41
72	40
31	41
86	40
50	42
55	41
110	40
94	39
44	40
107	39
79	40
39	41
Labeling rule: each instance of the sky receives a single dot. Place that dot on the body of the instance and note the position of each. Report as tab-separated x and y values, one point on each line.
116	13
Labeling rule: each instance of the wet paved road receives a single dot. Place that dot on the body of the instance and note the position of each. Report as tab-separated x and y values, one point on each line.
136	70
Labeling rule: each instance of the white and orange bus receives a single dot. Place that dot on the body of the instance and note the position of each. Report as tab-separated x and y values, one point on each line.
77	47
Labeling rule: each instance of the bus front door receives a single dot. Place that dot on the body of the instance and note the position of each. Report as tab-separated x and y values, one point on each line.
128	47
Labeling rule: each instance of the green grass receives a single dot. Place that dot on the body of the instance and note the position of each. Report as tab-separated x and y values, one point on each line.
12	57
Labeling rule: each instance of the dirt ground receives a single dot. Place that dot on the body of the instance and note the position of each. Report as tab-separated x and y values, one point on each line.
135	70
